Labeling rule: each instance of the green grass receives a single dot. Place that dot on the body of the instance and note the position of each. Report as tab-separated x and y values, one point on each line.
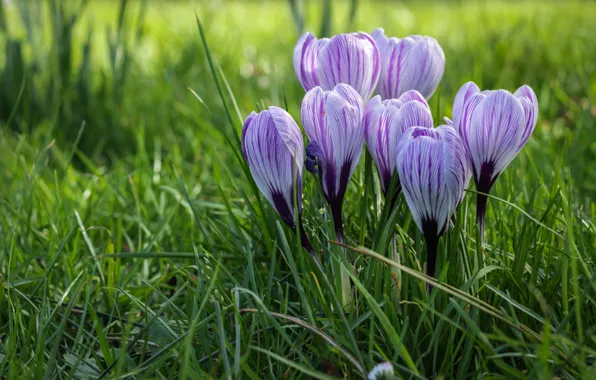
133	244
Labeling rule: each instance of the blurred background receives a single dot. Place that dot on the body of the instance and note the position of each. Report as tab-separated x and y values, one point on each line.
125	69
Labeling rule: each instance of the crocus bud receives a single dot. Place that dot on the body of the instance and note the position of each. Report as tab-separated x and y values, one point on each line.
346	58
274	150
432	166
494	127
412	63
385	121
333	122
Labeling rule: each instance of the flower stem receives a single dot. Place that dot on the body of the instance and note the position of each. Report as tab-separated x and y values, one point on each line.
483	185
346	287
431	237
481	201
431	254
338	223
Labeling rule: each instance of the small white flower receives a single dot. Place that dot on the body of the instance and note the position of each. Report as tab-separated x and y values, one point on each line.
382	371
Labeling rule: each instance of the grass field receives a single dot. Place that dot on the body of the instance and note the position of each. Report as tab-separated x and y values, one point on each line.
133	244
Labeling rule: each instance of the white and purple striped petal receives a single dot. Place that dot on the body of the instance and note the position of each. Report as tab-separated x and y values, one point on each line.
432	165
461	99
528	100
274	150
412	63
352	59
333	122
306	54
466	92
384	124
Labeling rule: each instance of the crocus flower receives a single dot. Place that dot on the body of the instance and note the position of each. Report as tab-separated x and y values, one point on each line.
384	124
346	58
412	63
333	122
494	127
274	150
432	166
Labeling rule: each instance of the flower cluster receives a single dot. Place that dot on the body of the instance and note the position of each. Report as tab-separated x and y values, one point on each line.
434	165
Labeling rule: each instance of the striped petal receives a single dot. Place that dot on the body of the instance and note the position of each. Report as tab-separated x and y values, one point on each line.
384	124
332	120
413	95
352	59
432	165
382	41
273	148
306	55
528	100
461	99
412	63
460	104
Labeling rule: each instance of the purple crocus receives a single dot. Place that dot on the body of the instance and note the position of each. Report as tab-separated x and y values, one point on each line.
333	122
274	150
494	127
346	58
385	121
432	167
412	63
